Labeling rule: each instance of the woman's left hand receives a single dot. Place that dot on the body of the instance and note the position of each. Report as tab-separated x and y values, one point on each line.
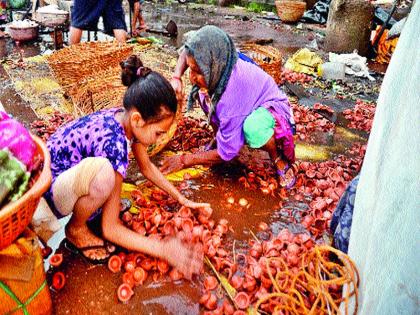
172	164
204	208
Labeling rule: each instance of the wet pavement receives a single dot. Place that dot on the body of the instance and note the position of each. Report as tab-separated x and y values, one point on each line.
92	289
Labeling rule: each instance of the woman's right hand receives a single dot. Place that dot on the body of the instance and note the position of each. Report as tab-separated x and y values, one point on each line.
178	87
186	258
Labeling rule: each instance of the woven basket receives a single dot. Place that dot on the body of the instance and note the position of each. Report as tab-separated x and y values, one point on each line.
267	57
15	216
72	64
99	91
290	11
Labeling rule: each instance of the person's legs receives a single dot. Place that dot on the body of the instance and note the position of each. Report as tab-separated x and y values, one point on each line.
135	17
81	190
140	16
75	35
84	16
113	16
120	35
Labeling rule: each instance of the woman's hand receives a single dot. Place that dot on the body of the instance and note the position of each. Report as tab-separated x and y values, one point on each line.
186	258
177	85
203	208
172	164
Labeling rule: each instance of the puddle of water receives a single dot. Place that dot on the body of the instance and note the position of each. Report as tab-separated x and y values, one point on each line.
92	290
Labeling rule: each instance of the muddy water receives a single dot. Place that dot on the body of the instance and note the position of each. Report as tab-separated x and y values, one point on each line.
92	289
12	102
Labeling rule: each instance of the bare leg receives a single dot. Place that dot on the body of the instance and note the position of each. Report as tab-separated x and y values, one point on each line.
120	35
287	179
141	20
77	231
271	148
75	35
136	11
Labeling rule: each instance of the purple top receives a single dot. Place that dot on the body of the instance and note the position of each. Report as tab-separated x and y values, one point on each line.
95	135
249	87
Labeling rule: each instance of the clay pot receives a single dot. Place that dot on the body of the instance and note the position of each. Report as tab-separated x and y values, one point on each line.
169	228
128	279
310	173
211	302
139	276
293	249
203	219
262	291
266	282
210	283
114	263
187	225
237	282
256	271
221	252
124	293
220	229
262	226
162	266
197	232
216	240
228	308
249	283
206	236
242	300
184	212
178	222
129	266
211	251
157	219
147	264
175	275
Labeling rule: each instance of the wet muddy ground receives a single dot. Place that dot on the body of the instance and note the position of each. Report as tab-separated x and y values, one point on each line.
92	289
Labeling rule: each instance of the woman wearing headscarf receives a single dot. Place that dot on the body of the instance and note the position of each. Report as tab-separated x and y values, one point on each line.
242	103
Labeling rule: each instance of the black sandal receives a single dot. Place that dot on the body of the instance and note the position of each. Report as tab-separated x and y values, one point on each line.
80	251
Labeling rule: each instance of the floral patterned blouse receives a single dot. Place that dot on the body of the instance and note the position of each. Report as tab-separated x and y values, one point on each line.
95	135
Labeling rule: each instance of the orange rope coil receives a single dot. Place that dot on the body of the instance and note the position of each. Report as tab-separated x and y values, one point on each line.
319	287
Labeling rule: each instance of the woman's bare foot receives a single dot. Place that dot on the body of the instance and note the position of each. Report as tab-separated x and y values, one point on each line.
82	237
142	26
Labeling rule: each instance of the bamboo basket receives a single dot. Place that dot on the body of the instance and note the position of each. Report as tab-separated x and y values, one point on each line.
72	64
99	91
290	11
103	88
15	216
267	57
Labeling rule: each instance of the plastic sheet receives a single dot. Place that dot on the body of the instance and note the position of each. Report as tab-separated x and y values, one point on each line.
318	14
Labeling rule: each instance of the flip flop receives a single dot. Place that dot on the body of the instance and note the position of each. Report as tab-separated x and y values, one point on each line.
282	174
80	251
